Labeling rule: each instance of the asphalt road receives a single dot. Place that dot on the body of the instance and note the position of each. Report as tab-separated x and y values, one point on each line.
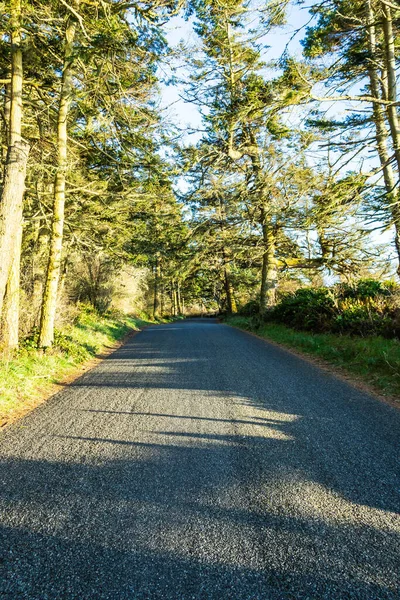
199	462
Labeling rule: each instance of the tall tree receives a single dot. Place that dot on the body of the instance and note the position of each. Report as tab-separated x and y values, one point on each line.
49	306
107	89
13	186
360	36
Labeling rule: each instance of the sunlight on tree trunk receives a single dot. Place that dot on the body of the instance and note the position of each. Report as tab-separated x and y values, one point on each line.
269	272
390	60
156	301
10	208
14	183
382	133
10	332
46	334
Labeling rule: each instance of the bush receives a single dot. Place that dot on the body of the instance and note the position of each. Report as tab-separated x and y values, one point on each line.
361	318
307	308
365	289
250	309
29	342
366	307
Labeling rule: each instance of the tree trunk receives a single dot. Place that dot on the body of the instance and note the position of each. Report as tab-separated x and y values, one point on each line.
39	270
63	276
49	307
156	301
10	209
5	137
269	266
10	320
378	111
162	292
178	298
11	205
230	299
390	64
173	299
381	132
176	308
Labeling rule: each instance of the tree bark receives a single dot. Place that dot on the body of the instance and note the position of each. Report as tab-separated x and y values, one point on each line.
10	209
13	189
269	266
390	64
176	305
49	307
156	300
5	138
39	270
10	321
173	298
381	132
162	292
178	298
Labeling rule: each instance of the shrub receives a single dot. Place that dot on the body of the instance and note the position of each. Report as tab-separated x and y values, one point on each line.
251	308
29	342
307	308
366	307
361	318
364	289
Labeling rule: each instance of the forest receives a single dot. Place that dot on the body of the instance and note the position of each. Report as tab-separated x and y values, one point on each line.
282	205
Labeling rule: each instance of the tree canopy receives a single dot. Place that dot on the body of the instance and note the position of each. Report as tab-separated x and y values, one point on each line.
293	175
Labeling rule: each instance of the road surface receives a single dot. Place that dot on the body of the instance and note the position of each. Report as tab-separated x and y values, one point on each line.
200	462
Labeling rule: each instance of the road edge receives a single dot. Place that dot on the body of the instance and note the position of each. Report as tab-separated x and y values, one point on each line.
326	366
30	405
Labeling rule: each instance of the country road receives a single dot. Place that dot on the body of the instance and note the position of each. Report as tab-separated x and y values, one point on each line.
200	462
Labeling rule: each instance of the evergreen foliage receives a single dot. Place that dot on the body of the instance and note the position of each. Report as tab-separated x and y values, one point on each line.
278	193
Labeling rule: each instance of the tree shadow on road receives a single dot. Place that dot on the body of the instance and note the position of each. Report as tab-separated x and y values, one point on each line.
180	481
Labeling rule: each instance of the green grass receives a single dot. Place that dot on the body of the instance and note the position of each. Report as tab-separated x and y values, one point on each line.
375	360
30	375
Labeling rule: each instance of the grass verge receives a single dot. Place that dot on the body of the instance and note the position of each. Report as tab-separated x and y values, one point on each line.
30	375
374	360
